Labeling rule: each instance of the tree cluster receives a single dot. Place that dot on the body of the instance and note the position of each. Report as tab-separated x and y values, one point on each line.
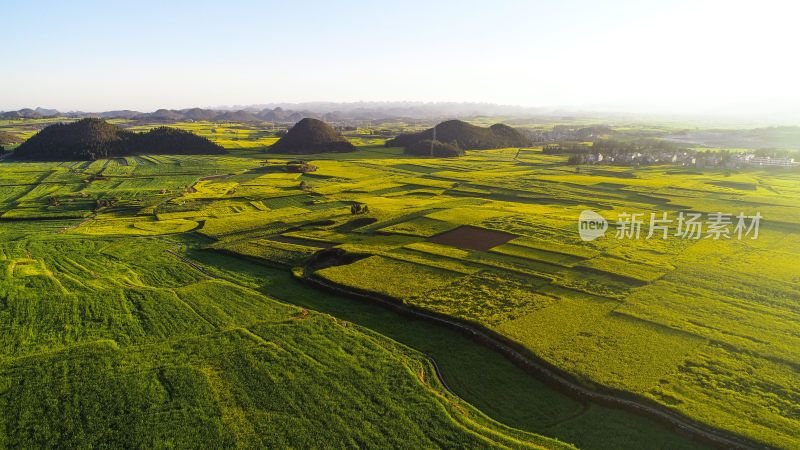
613	146
359	209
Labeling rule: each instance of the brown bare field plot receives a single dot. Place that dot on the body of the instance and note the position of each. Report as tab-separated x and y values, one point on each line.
472	238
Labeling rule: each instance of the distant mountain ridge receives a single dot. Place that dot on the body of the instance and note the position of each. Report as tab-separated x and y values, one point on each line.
786	115
178	115
291	112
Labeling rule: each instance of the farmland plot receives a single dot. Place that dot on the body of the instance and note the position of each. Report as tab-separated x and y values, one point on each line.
705	328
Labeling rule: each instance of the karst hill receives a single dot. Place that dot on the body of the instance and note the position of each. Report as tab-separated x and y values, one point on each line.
90	139
312	136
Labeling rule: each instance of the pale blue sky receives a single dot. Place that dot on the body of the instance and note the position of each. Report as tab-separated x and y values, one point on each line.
691	56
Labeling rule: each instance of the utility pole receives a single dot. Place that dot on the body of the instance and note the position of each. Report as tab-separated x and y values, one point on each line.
434	140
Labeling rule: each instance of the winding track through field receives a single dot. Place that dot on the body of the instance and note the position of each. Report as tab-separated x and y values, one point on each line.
681	424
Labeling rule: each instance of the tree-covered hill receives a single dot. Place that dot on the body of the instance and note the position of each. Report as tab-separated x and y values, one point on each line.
312	136
465	136
90	139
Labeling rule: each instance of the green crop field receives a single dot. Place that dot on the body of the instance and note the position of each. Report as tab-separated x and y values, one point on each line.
149	301
114	341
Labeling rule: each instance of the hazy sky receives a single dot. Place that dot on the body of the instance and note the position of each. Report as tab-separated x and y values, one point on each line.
675	55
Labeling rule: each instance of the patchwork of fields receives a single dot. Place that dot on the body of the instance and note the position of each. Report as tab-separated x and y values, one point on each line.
115	342
708	328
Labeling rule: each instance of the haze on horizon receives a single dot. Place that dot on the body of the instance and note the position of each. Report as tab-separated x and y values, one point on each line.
670	57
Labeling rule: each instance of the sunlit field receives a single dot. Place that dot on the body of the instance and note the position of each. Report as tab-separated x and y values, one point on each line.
400	225
161	284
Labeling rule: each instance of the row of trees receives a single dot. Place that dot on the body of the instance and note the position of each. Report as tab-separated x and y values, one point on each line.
613	146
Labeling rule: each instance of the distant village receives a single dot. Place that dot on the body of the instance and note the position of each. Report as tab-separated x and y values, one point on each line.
697	159
592	145
656	152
